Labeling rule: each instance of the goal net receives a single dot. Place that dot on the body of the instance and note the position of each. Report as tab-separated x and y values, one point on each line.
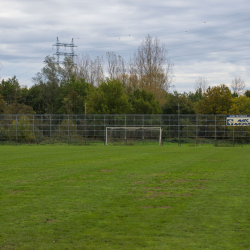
133	134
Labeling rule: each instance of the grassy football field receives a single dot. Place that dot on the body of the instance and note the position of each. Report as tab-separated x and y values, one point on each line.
124	197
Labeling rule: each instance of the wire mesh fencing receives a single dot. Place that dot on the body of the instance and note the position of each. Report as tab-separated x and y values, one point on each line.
89	129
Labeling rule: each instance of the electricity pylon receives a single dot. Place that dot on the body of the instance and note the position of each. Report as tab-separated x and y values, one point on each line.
58	53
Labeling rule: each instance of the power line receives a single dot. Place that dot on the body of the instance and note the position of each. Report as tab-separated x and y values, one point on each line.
220	51
211	20
209	28
178	46
184	45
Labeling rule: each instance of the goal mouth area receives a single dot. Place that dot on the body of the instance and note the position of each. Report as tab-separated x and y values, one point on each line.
133	128
138	133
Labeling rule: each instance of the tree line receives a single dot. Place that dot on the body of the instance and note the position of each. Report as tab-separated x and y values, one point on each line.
114	86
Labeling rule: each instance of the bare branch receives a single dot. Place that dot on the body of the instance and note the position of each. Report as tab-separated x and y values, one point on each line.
151	64
237	85
91	70
201	84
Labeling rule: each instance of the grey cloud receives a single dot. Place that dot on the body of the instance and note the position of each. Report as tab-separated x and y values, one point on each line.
30	29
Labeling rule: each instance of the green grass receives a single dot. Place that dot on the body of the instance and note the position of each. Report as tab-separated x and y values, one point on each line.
124	197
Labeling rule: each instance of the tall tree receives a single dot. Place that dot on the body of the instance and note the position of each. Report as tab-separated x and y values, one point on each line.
143	102
201	84
108	98
217	100
74	94
11	90
240	106
36	99
17	108
91	70
49	80
173	100
116	67
2	105
151	64
247	93
237	85
151	69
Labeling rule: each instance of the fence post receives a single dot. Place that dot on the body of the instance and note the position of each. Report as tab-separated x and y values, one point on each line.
206	128
215	130
106	134
94	126
225	119
16	128
33	128
85	129
134	125
160	137
233	134
68	129
196	130
104	129
161	129
76	128
50	127
178	125
125	132
169	126
60	129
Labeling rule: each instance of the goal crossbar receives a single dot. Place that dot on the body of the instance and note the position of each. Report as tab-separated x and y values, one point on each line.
135	128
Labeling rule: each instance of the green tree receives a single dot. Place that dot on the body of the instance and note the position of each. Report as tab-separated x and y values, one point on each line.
108	98
24	92
247	93
17	108
57	89
11	90
195	97
74	93
2	105
49	80
240	106
143	102
217	100
171	105
35	99
24	133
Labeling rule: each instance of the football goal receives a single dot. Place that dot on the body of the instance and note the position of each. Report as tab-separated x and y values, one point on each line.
133	134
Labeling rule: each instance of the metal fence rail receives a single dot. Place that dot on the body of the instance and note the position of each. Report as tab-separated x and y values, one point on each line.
92	128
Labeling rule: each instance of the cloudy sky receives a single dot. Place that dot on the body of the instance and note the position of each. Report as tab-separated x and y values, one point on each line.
204	38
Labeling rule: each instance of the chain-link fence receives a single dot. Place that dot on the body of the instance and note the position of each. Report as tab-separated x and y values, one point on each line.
87	129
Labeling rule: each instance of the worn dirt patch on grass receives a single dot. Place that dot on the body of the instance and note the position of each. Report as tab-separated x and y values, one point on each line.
163	207
141	182
166	181
181	181
185	195
152	195
16	192
107	170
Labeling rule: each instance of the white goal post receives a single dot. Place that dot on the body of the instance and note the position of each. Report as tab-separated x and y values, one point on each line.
125	129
